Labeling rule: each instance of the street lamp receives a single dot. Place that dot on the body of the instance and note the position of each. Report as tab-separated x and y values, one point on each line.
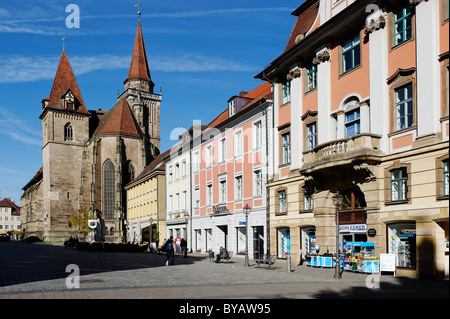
186	218
337	201
246	210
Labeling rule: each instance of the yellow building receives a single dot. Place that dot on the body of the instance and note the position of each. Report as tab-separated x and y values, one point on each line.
146	204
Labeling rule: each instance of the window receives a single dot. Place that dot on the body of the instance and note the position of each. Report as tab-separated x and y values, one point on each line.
404	107
351	54
402	243
209	195
238	143
399	184
68	132
282	204
238	187
196	161
311	135
208	158
169	204
170	174
177	202
177	171
183	168
352	123
232	108
109	190
403	25
223	190
197	197
286	143
286	92
311	78
446	181
307	197
257	129
241	240
222	150
258	183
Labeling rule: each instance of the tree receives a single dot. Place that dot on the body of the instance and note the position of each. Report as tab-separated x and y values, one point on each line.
79	220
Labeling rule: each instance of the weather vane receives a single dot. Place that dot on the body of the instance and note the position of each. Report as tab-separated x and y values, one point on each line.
138	5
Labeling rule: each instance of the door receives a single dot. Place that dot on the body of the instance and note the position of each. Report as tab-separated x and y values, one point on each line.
258	242
284	242
224	241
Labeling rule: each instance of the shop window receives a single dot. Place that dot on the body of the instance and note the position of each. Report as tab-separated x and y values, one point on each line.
402	243
351	54
284	242
403	25
308	240
399	184
241	240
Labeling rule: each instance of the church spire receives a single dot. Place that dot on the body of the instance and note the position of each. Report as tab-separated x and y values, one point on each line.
139	69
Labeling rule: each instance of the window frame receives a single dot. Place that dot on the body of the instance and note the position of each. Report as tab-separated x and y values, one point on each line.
351	123
350	50
286	148
403	20
311	85
403	120
285	92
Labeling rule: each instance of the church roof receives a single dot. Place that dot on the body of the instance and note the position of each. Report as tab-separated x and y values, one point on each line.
139	65
65	81
119	120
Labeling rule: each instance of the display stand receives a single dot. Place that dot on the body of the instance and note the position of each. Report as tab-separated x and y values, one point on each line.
360	257
319	261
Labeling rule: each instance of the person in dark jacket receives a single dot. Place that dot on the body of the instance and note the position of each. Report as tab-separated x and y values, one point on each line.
183	246
223	254
170	251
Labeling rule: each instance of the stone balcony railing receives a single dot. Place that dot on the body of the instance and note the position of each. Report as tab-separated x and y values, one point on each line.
343	151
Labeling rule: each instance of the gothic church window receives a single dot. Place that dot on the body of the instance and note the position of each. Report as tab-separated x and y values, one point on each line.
68	132
109	191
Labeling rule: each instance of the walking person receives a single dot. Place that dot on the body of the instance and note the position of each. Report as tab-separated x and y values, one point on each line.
183	245
170	251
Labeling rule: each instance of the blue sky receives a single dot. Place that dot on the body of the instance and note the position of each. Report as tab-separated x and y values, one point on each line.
200	52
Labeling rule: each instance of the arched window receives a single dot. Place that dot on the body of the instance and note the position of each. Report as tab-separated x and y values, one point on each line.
109	190
68	132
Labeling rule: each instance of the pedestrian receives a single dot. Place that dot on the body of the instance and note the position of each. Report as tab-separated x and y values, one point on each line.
183	246
223	254
170	251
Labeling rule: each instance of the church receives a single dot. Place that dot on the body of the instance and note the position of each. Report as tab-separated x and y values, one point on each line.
89	156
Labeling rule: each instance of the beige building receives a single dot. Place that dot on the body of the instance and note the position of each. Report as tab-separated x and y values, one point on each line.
9	218
146	204
361	108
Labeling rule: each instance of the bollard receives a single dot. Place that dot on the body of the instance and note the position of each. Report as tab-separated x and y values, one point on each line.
288	263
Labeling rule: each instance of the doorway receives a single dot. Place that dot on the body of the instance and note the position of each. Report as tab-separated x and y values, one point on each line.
223	241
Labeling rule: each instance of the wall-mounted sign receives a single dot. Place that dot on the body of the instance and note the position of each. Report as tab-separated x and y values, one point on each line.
358	228
220	209
372	232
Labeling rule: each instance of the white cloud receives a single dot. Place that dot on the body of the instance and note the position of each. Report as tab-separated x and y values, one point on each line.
15	128
16	69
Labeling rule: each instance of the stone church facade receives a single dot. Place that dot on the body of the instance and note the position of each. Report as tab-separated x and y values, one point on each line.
89	156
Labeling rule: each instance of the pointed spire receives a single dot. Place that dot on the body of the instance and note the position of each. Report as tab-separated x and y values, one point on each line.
139	69
65	81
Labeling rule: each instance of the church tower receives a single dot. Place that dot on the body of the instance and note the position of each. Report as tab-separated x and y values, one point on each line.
65	128
144	102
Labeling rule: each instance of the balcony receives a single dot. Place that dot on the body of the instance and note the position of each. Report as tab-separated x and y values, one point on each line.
360	147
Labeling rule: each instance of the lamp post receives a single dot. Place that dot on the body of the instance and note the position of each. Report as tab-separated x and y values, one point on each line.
246	210
337	201
186	218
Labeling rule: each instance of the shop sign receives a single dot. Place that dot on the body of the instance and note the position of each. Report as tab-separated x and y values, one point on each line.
372	232
358	228
242	223
220	209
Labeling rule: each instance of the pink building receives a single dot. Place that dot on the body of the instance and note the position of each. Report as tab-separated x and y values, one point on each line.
229	172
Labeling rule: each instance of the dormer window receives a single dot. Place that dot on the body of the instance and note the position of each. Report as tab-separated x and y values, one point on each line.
68	101
232	107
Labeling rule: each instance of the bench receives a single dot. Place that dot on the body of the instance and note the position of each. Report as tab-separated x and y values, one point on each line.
264	260
230	254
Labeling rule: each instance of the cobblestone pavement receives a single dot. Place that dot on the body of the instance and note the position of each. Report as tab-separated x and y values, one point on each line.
39	271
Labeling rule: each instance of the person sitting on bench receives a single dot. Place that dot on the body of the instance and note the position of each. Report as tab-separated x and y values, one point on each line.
223	254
